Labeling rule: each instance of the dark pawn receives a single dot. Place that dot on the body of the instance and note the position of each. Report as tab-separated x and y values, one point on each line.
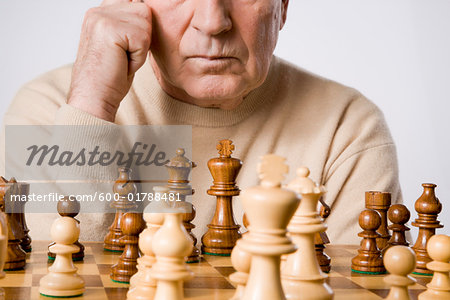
321	239
69	208
25	243
123	186
15	256
132	225
369	259
399	215
428	207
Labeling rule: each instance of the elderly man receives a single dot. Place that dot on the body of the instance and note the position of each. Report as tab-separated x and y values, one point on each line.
210	64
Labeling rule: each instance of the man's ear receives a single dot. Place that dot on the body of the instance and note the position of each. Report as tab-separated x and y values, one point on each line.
284	7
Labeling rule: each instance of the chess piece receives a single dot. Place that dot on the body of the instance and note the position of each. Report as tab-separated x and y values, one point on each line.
16	257
223	232
171	244
399	215
132	225
321	239
368	260
123	186
142	285
428	207
69	208
380	201
438	248
179	169
301	275
3	248
62	279
399	261
269	208
24	190
3	243
241	261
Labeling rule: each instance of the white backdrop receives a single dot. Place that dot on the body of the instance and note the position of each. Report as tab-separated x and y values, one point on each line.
397	52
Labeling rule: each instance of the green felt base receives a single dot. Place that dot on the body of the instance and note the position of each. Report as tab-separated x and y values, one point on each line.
61	296
28	250
116	251
425	274
216	254
119	281
14	269
73	259
370	273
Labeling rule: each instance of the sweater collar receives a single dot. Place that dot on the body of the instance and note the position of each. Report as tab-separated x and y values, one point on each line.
155	100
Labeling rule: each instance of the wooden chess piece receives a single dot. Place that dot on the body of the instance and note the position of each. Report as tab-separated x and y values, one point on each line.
123	186
179	168
380	201
438	248
399	261
241	261
62	279
269	208
69	208
223	232
428	207
368	260
3	242
321	239
301	275
132	225
142	285
16	257
171	244
399	215
24	190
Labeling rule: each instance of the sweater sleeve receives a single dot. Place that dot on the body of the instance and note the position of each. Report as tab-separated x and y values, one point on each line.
43	102
362	158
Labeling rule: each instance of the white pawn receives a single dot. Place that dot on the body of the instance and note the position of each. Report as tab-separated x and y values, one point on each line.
241	261
399	261
171	244
62	279
142	285
438	248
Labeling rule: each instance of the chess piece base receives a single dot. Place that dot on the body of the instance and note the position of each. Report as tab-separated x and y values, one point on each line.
61	285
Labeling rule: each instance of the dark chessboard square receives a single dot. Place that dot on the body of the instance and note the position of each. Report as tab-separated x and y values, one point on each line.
225	271
208	283
104	269
17	292
116	293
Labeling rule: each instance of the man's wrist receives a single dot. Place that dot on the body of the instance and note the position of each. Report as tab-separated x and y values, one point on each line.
99	109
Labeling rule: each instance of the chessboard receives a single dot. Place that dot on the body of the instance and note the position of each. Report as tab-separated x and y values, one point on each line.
210	281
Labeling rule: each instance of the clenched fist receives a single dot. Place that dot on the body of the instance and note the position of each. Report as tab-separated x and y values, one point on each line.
114	43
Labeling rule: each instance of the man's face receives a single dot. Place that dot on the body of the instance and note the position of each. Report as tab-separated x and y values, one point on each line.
214	52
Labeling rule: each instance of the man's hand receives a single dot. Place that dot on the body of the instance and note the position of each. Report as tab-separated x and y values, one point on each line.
115	40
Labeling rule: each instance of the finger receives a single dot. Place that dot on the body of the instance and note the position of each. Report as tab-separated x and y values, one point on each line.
139	9
112	2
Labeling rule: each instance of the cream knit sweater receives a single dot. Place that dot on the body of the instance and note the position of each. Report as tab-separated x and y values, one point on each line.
332	129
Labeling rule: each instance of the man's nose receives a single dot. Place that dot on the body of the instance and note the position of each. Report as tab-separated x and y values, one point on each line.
211	17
